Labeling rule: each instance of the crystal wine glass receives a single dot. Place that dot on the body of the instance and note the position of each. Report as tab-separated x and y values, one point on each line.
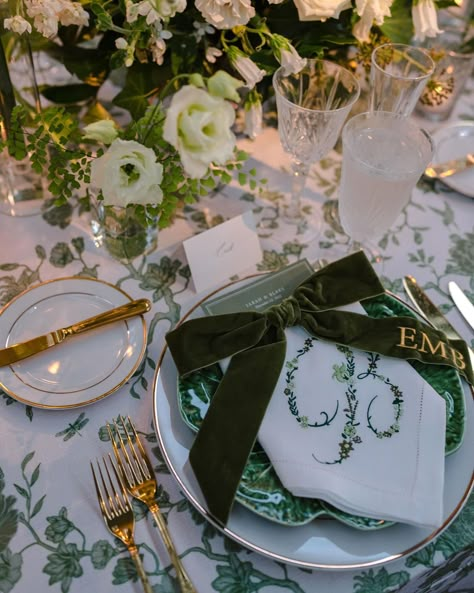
312	106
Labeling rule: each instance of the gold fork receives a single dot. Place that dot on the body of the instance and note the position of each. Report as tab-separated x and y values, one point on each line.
118	514
138	476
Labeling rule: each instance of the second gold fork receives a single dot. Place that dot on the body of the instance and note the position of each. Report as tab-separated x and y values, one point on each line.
138	476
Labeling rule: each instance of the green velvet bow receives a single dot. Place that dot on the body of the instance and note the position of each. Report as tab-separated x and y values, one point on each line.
256	342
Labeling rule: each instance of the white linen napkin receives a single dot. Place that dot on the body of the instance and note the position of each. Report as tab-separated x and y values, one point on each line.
378	449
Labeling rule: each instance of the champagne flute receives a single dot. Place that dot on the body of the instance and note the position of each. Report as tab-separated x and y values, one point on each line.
312	106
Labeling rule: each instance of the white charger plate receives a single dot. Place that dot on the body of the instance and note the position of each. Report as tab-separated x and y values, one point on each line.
84	368
321	544
451	142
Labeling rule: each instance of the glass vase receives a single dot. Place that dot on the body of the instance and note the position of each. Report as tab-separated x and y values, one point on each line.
121	233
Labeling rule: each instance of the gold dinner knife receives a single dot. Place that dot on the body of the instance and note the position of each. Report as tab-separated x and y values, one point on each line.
450	167
34	346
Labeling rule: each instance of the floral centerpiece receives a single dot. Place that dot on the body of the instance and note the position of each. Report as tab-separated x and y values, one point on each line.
181	67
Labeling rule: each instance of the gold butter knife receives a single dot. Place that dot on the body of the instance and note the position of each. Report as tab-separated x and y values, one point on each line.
449	168
35	345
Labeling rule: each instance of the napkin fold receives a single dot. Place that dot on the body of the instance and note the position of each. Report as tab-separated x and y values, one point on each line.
363	432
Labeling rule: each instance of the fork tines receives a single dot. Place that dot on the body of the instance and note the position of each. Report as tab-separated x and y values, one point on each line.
137	466
115	501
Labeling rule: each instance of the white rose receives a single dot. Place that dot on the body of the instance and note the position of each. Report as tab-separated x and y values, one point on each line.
225	14
425	20
198	126
320	10
103	130
128	174
370	12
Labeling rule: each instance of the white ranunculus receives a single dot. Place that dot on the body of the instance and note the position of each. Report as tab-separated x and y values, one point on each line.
320	10
17	24
425	20
198	126
128	174
103	130
225	14
370	12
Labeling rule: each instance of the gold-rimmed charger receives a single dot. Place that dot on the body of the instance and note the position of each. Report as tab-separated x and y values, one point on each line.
321	544
81	370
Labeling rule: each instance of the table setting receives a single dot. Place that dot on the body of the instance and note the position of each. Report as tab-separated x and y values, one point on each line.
237	299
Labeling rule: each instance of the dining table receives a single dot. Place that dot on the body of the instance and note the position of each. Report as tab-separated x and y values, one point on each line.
52	535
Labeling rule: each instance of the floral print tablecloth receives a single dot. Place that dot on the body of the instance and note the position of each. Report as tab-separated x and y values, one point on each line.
52	537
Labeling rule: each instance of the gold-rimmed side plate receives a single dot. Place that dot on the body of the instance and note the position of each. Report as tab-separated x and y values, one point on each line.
85	368
322	544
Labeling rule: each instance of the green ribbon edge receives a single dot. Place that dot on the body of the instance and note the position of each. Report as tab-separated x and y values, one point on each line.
257	344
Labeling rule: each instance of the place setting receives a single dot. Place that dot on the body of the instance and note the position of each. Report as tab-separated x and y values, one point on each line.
236	300
291	486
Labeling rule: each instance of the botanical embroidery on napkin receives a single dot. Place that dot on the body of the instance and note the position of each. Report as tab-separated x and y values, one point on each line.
345	373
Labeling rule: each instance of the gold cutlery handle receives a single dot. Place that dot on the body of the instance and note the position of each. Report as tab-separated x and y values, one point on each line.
140	569
184	581
130	309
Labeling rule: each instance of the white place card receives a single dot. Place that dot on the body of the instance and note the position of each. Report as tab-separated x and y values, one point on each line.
223	251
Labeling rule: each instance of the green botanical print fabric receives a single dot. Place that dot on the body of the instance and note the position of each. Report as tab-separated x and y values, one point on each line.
52	537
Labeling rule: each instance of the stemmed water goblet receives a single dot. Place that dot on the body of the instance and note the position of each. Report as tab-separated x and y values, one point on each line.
383	156
312	106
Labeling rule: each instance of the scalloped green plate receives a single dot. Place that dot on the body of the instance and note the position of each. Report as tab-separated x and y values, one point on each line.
261	490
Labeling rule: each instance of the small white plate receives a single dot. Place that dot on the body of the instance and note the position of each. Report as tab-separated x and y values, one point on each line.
320	544
451	142
84	368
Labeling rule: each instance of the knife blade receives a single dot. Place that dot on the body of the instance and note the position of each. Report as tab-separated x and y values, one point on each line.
450	167
464	305
28	348
428	309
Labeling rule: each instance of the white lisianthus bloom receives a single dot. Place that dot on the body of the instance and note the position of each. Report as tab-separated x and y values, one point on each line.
370	12
425	19
17	24
249	70
198	126
222	84
225	14
320	10
128	174
103	130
